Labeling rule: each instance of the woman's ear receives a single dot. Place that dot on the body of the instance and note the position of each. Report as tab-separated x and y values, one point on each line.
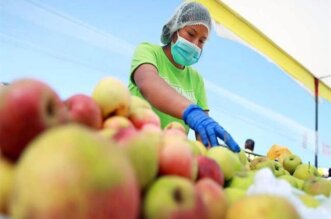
174	36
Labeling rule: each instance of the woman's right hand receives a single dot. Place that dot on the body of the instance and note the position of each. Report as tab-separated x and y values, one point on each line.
208	129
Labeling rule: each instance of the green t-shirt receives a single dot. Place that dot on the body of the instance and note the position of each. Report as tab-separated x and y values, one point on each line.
186	82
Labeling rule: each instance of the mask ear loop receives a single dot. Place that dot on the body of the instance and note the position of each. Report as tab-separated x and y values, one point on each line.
177	36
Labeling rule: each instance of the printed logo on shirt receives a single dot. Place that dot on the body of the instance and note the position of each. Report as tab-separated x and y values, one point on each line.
189	94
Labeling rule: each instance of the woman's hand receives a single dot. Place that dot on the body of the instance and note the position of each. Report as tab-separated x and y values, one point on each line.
207	128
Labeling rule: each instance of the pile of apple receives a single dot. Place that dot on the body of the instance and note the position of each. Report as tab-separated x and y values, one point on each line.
106	156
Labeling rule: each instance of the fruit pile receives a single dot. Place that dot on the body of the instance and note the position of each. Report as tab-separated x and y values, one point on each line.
106	156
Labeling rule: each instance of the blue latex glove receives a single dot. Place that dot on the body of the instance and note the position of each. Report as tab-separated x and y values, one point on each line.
208	129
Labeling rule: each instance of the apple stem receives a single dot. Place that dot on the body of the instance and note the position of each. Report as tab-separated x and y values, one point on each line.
50	108
178	195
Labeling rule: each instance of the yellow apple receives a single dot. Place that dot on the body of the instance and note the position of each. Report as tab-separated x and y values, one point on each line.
112	96
6	181
261	207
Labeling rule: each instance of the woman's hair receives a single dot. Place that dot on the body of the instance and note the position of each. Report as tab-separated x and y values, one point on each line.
188	13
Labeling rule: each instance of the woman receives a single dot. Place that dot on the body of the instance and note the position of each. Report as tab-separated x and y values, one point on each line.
163	76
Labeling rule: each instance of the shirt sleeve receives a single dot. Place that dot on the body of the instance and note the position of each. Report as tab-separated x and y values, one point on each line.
143	54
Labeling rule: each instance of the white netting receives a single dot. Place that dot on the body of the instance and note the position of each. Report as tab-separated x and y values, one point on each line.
188	13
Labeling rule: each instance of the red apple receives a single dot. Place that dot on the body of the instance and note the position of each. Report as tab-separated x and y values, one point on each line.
208	168
174	129
152	128
123	135
27	108
175	125
177	158
213	197
174	132
117	122
144	116
118	129
84	110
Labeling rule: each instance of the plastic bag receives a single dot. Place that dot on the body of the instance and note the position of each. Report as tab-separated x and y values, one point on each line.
266	183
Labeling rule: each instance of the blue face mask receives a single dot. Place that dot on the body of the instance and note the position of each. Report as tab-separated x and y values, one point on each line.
184	52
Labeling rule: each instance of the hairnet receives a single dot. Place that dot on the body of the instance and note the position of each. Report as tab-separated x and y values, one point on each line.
188	13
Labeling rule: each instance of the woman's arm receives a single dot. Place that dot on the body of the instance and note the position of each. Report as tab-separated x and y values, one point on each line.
158	92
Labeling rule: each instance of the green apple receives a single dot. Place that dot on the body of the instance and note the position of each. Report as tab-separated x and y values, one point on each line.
233	194
143	151
242	179
198	147
290	179
242	157
291	162
262	162
305	171
226	159
213	197
6	182
278	169
71	172
112	96
317	186
299	183
173	197
309	200
262	206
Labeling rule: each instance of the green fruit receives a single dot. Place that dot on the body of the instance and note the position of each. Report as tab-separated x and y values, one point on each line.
143	152
278	169
242	180
170	196
262	162
305	171
291	162
317	186
226	159
242	157
233	194
290	179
